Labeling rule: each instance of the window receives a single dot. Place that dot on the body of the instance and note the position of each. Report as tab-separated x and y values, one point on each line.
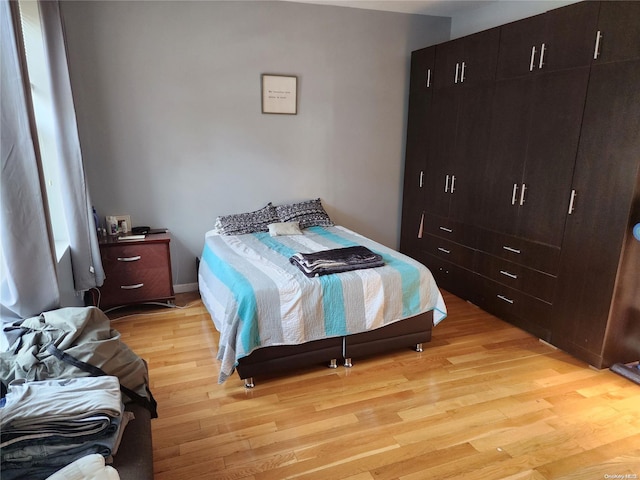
42	97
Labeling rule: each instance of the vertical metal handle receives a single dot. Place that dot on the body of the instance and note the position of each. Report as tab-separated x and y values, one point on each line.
421	227
542	50
446	185
428	77
457	71
421	178
514	194
533	57
453	183
462	72
571	201
596	51
524	187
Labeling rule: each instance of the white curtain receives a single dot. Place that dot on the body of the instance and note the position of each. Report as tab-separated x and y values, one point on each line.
83	240
29	281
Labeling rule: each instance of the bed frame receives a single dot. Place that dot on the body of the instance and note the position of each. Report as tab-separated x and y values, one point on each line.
410	332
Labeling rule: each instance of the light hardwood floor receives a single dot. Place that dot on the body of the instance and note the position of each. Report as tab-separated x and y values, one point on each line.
484	400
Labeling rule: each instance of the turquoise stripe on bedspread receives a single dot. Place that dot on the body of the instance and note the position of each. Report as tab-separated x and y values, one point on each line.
242	291
409	274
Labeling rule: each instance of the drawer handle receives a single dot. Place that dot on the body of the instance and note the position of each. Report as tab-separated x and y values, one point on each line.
129	259
131	287
444	250
448	230
509	249
505	299
508	274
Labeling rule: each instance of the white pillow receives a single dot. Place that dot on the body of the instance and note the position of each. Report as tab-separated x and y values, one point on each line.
284	228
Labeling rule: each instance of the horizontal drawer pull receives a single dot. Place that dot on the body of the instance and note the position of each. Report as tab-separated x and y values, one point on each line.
444	250
505	299
509	274
448	230
129	259
510	249
132	287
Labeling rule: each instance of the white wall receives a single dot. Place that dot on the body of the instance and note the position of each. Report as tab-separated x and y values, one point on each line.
493	14
168	102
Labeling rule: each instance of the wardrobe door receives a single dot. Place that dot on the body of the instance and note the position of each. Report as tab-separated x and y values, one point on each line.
559	39
414	171
416	148
422	69
440	152
507	148
569	38
517	43
470	151
618	36
605	177
557	104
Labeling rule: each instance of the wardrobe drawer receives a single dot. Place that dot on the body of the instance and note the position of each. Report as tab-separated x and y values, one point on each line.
537	256
458	232
532	282
522	310
447	250
452	278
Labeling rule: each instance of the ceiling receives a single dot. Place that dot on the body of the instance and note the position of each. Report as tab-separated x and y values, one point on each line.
440	8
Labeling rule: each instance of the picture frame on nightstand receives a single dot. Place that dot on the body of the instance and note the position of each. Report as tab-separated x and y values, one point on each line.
118	224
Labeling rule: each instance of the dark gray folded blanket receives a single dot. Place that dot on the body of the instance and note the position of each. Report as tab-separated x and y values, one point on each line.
336	260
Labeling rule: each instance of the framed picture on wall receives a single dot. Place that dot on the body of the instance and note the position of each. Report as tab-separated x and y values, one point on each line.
279	94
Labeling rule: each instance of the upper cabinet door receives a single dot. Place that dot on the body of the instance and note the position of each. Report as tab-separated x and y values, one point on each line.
561	39
422	69
467	61
618	35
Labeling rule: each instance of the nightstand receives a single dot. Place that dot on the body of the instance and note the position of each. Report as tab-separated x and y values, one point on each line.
136	271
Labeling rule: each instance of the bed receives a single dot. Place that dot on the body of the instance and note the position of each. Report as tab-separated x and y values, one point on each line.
273	318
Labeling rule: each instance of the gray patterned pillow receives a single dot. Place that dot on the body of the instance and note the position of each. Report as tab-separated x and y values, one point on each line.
250	222
307	214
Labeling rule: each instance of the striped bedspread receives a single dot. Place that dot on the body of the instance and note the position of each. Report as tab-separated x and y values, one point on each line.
256	298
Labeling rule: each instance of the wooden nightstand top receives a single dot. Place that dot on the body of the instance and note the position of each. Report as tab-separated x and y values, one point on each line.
110	241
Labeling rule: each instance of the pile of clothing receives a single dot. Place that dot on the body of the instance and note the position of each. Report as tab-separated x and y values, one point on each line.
65	381
336	260
47	425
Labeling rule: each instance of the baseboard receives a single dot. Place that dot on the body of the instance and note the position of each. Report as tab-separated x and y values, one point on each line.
185	287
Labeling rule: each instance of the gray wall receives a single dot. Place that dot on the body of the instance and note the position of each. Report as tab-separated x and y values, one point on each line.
168	104
493	14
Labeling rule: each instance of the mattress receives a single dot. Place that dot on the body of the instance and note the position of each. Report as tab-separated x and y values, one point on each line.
257	298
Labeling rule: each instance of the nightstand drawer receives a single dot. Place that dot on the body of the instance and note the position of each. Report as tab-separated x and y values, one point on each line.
126	259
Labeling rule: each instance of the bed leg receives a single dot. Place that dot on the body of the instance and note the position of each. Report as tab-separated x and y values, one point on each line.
418	347
248	383
347	363
333	363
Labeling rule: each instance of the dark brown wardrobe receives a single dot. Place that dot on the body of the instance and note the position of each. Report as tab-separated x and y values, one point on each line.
522	179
